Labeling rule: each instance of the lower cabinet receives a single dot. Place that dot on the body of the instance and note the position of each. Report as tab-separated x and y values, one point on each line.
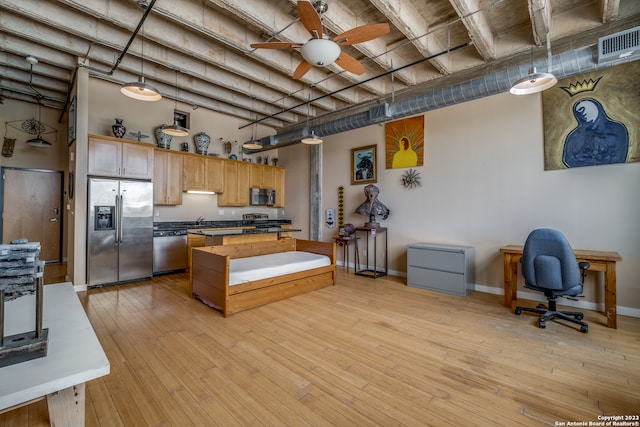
194	241
443	268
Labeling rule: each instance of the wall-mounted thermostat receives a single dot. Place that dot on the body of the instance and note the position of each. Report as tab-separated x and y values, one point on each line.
330	218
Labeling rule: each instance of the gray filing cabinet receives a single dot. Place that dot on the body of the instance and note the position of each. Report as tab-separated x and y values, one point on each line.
444	268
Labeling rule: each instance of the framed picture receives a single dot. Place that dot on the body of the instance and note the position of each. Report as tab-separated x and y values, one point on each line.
404	143
181	118
363	165
71	121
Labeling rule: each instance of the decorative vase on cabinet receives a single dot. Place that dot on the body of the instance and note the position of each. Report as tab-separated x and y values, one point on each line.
162	139
118	129
202	141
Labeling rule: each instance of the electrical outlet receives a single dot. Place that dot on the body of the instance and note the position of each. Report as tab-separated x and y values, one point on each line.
220	212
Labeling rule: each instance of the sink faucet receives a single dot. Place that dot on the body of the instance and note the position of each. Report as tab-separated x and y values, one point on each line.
199	220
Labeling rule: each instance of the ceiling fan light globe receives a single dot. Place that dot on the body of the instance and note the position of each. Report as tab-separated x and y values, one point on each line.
320	52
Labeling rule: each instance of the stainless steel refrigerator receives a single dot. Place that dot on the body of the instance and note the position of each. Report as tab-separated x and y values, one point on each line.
120	231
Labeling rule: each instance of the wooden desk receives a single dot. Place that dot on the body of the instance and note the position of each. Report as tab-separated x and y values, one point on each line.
74	356
599	261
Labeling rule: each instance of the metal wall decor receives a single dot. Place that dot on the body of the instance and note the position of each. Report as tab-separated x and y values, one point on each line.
411	179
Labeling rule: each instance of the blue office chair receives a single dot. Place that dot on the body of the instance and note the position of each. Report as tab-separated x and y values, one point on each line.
549	266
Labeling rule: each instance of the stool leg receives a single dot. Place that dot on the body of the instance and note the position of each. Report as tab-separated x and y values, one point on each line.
346	249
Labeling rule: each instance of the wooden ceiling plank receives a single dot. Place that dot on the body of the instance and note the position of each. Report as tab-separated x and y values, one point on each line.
540	15
610	10
408	20
477	26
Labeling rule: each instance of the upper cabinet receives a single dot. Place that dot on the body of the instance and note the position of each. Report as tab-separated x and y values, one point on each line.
236	184
262	176
114	157
278	173
202	173
167	177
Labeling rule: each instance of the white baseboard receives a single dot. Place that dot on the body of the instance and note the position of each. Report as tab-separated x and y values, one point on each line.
80	288
587	305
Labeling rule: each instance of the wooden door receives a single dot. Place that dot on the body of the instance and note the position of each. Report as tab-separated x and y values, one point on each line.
32	208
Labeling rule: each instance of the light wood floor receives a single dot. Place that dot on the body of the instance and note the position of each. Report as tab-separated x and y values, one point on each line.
365	352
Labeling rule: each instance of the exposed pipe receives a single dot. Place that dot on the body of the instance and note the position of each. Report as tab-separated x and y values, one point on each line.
567	64
115	65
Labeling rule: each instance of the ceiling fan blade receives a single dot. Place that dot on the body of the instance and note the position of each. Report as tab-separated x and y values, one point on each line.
364	33
274	45
302	69
310	18
350	64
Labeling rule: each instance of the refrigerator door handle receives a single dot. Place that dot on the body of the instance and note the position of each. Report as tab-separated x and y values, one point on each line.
120	218
117	219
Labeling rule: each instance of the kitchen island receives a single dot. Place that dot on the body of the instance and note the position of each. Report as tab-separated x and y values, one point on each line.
229	236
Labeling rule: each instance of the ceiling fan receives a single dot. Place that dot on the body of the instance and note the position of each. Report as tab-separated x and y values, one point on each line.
321	50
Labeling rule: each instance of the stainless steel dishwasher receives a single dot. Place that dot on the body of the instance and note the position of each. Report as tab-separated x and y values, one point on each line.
169	251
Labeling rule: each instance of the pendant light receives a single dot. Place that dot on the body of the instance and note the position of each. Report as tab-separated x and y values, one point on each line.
175	129
253	144
312	139
535	82
38	141
140	90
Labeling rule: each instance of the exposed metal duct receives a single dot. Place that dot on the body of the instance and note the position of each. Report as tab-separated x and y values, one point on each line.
566	64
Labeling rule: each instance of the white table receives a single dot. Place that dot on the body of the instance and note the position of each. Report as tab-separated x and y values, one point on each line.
74	356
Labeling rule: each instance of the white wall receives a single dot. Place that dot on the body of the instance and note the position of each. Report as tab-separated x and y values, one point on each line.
25	156
106	103
484	184
28	157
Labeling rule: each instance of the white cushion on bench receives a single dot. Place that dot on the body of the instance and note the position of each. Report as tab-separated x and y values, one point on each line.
242	270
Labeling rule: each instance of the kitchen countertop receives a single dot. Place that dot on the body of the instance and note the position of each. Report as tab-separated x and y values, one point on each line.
241	231
190	225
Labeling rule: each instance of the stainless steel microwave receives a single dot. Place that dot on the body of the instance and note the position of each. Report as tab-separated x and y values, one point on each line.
262	197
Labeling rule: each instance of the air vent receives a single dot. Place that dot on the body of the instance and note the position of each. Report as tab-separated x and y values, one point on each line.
625	44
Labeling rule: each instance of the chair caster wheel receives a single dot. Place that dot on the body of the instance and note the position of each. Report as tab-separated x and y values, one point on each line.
518	311
542	325
579	317
584	328
541	306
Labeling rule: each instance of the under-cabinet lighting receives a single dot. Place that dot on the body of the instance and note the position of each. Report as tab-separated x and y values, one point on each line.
200	192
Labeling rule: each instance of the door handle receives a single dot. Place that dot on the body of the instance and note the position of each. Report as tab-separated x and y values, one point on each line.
53	219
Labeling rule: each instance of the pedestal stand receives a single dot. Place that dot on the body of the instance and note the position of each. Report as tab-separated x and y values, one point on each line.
373	233
20	272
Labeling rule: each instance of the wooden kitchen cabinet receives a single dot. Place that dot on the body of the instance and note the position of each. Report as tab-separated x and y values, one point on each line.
194	241
237	179
262	176
202	173
167	177
115	158
278	179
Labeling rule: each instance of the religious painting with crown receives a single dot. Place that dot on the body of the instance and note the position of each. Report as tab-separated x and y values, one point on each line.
404	143
592	119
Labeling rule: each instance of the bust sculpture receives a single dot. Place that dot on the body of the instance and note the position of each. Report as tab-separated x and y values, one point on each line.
372	206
